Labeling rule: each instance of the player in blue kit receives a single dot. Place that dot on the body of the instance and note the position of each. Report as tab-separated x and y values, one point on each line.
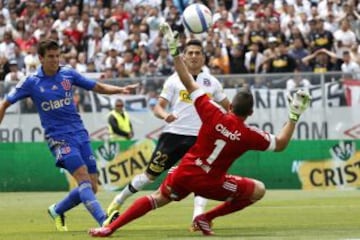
50	88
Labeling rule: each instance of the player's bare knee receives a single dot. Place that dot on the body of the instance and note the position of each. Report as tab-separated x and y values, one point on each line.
160	199
259	191
150	176
94	188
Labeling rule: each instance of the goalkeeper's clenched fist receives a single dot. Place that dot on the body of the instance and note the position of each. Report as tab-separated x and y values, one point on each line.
298	103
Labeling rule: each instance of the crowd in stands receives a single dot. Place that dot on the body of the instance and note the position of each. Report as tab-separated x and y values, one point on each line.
120	38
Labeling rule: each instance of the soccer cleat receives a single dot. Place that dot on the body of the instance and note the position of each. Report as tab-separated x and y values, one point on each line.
111	217
59	219
100	232
202	224
114	206
194	227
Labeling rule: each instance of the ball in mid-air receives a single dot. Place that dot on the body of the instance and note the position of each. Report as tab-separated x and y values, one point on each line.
197	18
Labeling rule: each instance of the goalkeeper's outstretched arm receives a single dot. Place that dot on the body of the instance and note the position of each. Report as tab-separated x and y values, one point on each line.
298	103
172	42
184	75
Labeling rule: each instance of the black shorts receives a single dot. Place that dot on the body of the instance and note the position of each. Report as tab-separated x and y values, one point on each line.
169	150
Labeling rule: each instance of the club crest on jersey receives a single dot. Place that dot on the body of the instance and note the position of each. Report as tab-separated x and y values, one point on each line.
66	84
65	150
207	82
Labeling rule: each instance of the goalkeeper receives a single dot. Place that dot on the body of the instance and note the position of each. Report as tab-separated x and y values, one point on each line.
222	139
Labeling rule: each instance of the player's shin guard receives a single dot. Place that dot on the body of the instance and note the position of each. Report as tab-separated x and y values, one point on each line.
138	208
137	184
87	197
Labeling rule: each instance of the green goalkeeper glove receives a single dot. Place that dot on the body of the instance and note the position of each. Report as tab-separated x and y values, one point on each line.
298	103
171	38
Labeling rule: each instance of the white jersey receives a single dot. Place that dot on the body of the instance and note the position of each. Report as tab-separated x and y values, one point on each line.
188	122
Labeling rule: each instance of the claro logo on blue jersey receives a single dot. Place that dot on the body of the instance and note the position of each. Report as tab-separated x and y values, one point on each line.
55	104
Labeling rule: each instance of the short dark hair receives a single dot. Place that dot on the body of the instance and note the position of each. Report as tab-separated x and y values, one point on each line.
45	45
243	103
194	42
347	53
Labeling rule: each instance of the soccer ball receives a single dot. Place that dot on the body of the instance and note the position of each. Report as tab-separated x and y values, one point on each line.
197	18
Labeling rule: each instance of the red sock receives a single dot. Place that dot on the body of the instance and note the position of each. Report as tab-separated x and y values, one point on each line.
138	208
227	208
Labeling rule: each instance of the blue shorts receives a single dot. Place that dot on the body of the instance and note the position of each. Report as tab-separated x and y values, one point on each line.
73	151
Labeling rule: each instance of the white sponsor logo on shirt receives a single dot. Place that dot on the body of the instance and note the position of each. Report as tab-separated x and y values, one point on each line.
234	136
55	104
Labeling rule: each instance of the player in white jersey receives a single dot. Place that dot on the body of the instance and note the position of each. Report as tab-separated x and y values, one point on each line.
183	124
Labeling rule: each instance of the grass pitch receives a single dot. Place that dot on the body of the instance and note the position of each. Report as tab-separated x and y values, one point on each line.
288	215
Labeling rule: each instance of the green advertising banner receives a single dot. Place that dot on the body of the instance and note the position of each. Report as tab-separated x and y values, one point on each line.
304	165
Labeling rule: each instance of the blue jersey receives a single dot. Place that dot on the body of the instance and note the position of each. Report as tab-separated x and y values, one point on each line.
53	97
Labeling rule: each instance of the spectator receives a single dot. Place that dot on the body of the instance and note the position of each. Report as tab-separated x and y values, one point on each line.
14	76
31	60
19	58
273	30
283	62
321	61
164	61
87	24
81	66
20	29
68	48
7	46
97	17
255	33
92	44
153	21
221	59
61	24
237	59
152	70
331	23
114	37
349	66
121	16
297	82
321	38
4	27
127	64
113	59
120	127
253	59
40	29
298	52
345	38
75	35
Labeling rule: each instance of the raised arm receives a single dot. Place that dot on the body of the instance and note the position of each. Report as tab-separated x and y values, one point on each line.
172	42
298	103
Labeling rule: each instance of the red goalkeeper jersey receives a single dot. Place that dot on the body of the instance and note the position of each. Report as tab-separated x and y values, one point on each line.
222	139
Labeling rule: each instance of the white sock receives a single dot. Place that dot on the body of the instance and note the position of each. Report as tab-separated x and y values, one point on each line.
199	205
136	184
